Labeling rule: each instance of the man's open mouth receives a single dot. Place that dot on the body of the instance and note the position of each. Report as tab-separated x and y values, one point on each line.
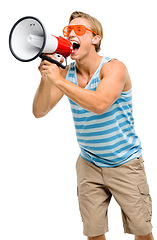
76	46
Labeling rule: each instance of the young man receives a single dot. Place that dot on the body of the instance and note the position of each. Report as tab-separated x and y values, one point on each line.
110	162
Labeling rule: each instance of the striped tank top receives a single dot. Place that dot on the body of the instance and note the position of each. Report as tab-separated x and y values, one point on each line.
109	139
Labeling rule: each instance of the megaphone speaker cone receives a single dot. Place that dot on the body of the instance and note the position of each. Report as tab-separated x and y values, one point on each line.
20	37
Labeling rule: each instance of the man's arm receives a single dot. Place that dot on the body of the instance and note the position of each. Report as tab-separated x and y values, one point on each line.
47	96
113	76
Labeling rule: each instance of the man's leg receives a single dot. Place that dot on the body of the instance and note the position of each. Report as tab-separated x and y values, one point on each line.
101	237
128	184
145	237
94	199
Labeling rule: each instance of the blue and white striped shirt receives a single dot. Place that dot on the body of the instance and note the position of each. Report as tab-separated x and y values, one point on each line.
107	140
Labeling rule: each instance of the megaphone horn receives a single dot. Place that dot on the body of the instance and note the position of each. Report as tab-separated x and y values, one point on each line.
28	40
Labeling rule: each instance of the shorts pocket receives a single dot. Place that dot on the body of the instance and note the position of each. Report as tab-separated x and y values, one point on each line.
146	200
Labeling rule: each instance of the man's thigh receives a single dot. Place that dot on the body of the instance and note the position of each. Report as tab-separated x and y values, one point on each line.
93	197
128	184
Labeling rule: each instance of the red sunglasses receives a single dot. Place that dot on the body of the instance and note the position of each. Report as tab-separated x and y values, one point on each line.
78	29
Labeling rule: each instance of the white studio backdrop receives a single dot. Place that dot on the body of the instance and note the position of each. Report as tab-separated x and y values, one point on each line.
38	197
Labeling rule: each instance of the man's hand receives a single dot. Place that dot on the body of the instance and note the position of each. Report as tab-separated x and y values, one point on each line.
49	70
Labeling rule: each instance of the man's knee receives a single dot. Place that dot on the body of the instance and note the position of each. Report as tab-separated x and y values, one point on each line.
145	237
101	237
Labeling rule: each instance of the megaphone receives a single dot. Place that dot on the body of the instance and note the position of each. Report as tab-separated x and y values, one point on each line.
28	40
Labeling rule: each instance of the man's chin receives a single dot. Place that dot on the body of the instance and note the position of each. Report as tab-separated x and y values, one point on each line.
75	54
74	57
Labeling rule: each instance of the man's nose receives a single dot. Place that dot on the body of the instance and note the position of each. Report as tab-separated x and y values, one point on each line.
72	33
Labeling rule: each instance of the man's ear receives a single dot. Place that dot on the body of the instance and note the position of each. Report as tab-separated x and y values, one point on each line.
96	39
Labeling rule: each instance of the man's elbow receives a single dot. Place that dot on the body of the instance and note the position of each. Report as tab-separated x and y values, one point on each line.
101	108
100	111
38	114
104	105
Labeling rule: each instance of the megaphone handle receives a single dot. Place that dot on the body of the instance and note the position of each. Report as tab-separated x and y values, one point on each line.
52	61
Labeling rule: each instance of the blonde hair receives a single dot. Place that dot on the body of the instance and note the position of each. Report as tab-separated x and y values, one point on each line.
94	24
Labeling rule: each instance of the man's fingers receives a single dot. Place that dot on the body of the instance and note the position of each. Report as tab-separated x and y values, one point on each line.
45	62
62	60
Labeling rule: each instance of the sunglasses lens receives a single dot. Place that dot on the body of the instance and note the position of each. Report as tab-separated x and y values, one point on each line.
67	31
80	30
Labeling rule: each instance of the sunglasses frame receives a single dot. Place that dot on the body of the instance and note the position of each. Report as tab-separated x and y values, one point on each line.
73	27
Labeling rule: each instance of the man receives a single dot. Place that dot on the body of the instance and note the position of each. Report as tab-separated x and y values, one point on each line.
110	162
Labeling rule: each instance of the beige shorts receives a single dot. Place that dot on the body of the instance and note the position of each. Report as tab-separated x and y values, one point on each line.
127	183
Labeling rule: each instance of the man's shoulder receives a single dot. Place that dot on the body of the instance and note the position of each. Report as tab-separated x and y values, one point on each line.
114	63
112	66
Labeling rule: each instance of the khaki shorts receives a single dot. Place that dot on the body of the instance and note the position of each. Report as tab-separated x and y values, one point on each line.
127	183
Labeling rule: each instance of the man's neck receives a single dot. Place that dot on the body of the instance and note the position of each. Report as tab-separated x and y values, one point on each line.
88	65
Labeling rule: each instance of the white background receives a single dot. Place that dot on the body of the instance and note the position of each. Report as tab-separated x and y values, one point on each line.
38	199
